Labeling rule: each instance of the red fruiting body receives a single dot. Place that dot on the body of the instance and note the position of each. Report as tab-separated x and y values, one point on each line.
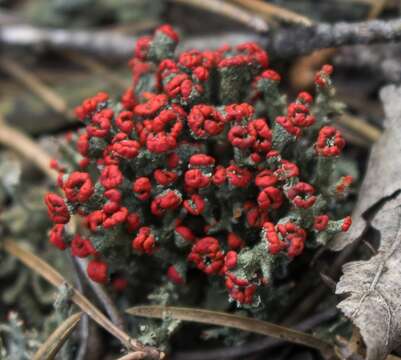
207	256
329	142
346	224
113	218
168	200
142	188
238	177
174	275
195	205
56	236
201	154
270	198
89	106
205	121
302	195
271	75
234	241
185	233
111	177
344	184
230	260
57	209
81	247
78	187
321	222
287	236
144	241
119	284
133	221
98	271
265	178
100	124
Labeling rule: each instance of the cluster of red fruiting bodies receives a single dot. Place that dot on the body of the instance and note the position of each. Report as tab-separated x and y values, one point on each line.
190	166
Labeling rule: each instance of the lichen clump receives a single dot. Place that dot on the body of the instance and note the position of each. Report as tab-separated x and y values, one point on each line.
202	164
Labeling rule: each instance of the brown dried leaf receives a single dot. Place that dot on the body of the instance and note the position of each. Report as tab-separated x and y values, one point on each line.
374	286
383	176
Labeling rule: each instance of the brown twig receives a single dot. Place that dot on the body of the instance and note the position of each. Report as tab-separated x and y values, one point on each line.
234	321
230	11
269	11
53	277
36	85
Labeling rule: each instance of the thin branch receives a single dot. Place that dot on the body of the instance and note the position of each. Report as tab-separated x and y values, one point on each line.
283	43
49	349
234	321
299	41
56	279
36	85
109	45
268	11
230	11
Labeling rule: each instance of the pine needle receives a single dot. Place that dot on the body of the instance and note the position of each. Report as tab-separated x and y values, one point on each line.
233	321
49	349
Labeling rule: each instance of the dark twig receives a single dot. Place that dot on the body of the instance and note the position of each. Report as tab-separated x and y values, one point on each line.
284	43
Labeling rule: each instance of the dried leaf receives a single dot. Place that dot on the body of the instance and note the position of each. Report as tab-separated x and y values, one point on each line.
374	286
55	341
383	176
